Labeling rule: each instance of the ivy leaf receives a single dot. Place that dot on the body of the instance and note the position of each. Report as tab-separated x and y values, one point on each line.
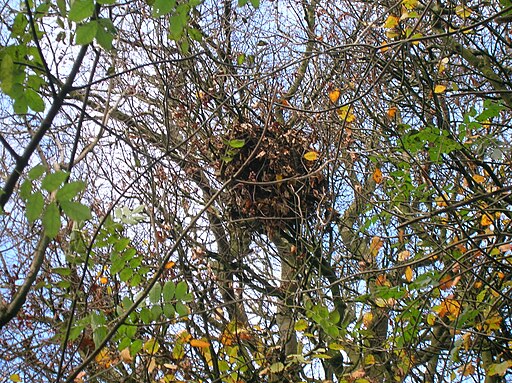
35	205
85	33
76	211
51	220
80	10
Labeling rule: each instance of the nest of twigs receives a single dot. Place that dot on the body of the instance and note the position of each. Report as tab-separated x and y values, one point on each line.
273	181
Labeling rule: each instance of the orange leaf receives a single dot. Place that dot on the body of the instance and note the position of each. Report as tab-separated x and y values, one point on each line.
478	178
334	95
392	112
199	343
103	358
103	280
169	265
377	175
486	220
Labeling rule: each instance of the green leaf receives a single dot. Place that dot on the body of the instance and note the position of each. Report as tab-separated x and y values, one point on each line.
163	7
63	271
85	33
181	309
135	347
51	220
35	205
177	23
52	181
99	335
80	10
70	190
25	190
156	311
105	33
168	291
146	316
255	3
76	211
236	144
61	4
125	274
20	104
241	3
276	367
155	293
181	290
6	73
36	172
169	311
118	263
195	34
106	2
34	101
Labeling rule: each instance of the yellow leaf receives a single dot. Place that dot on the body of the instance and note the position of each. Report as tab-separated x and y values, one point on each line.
392	33
441	201
334	95
311	156
375	246
404	255
478	178
380	302
125	355
104	359
451	308
367	319
486	220
492	323
439	89
199	343
391	22
15	378
408	273
369	360
463	12
377	175
431	319
410	4
346	114
301	325
151	346
392	112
